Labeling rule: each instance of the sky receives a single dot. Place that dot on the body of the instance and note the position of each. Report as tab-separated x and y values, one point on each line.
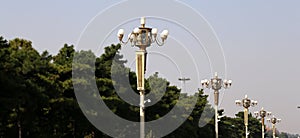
259	41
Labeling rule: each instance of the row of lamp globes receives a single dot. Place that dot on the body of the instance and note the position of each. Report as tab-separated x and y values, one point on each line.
246	103
142	36
216	84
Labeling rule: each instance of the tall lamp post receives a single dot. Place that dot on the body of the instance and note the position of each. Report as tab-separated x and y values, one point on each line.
262	113
274	120
142	37
246	103
216	84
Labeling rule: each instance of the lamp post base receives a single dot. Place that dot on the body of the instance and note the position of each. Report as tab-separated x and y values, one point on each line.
142	115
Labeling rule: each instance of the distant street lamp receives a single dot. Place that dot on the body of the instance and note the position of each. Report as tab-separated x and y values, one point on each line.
216	84
184	80
246	103
142	37
262	113
274	120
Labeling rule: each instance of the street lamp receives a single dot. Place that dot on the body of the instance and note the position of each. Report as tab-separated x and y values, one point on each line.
274	120
262	113
216	84
142	37
184	80
246	103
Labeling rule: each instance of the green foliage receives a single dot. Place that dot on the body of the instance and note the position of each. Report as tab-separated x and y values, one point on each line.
236	126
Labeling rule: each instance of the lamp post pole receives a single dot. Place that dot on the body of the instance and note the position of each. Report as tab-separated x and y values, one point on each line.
262	113
216	84
274	120
246	103
142	37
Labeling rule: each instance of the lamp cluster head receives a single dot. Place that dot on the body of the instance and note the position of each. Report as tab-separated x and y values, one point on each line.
262	113
246	102
216	83
274	120
143	36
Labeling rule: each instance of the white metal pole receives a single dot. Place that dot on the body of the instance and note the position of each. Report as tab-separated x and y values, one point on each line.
246	120
20	129
216	94
246	131
216	120
142	115
263	127
273	126
263	133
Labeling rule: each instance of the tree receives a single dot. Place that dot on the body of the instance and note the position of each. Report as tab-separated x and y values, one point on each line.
20	90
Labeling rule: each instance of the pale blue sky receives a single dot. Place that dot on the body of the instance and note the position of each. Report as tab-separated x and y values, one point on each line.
260	40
